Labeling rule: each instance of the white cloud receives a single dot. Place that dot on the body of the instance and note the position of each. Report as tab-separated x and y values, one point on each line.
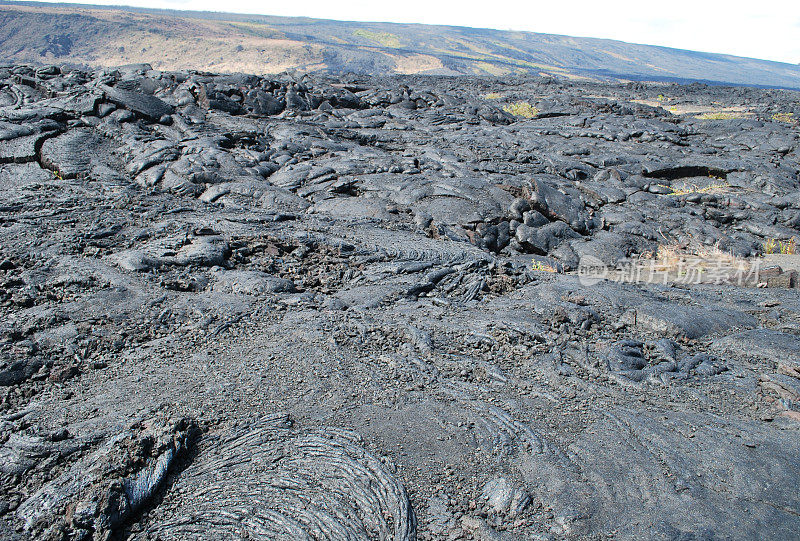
767	29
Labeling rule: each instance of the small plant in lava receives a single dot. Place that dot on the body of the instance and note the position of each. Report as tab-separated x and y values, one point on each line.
521	109
785	247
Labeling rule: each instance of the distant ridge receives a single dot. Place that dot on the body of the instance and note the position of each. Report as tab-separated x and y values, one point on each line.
223	42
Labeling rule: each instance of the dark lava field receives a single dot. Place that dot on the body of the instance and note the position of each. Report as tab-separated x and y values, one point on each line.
234	307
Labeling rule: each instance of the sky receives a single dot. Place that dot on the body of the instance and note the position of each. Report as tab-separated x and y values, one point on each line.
767	29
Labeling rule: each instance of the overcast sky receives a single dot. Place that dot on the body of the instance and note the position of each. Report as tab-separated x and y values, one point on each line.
769	29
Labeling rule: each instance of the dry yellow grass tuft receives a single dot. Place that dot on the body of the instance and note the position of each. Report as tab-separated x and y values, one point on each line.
493	96
785	117
775	246
539	266
689	189
719	116
521	109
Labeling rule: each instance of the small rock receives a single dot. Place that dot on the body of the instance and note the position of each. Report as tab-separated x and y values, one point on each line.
204	252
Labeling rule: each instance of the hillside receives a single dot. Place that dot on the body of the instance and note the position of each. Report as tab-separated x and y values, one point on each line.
169	40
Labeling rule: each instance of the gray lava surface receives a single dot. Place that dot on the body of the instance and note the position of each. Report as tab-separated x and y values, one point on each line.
234	307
